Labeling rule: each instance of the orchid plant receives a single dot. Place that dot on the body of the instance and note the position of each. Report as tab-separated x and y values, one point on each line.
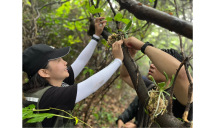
161	87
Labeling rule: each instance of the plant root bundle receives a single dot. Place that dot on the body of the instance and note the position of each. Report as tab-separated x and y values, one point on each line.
157	104
113	38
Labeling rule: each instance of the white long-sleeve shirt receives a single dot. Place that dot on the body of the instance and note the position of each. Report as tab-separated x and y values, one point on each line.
93	83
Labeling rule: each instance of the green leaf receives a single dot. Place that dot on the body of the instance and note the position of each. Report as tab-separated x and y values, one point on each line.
180	119
109	30
27	1
87	5
126	36
91	72
167	78
97	11
76	120
169	94
171	82
126	28
96	116
146	111
85	71
92	9
161	85
31	106
29	115
36	119
26	80
109	19
24	113
104	42
126	21
118	86
153	80
118	17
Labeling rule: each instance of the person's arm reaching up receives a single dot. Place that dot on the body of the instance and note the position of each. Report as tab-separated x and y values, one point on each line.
92	84
87	52
165	62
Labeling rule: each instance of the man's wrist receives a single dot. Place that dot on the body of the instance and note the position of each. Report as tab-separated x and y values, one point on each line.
145	46
96	38
97	35
120	123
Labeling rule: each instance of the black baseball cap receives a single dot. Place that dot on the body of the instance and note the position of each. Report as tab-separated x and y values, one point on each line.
37	56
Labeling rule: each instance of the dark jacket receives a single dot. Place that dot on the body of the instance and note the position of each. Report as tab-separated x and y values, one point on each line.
142	119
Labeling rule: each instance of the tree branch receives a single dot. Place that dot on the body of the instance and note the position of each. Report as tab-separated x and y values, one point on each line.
190	91
165	120
117	23
178	34
160	18
147	23
98	1
59	2
103	4
155	4
92	2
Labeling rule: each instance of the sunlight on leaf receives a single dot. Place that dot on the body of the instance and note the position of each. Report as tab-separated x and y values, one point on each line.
126	21
118	17
108	19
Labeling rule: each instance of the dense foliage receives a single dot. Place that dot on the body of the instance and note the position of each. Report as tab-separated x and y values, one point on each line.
62	23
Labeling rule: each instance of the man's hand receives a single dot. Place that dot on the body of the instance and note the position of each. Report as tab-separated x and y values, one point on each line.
117	50
120	123
99	25
133	42
130	125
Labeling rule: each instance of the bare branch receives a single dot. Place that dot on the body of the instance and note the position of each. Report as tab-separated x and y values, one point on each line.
139	58
59	2
103	4
139	28
92	2
113	13
172	88
190	90
157	17
123	16
155	4
147	23
179	34
98	1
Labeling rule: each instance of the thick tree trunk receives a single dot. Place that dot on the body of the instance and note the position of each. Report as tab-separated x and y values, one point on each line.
166	120
160	18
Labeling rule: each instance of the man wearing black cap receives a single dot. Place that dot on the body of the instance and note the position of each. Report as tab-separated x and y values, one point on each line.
51	83
167	60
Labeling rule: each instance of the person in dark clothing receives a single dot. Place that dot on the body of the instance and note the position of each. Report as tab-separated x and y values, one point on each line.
167	60
134	111
51	82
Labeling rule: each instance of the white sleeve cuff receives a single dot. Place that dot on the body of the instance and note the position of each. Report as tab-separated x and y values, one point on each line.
96	36
118	61
93	83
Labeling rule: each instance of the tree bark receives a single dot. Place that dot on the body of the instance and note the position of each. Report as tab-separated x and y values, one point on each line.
164	20
166	120
157	17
